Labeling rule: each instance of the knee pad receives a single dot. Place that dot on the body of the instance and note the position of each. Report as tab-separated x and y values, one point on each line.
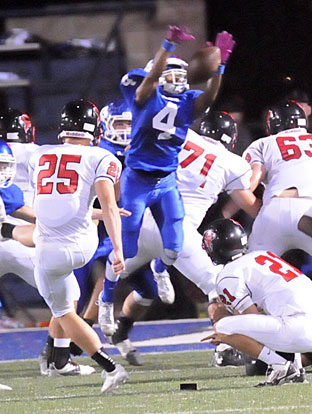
169	256
140	300
224	326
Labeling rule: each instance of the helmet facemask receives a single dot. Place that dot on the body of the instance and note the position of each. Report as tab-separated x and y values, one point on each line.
178	80
7	169
174	78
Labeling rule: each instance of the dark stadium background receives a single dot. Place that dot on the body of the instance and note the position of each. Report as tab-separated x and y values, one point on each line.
273	45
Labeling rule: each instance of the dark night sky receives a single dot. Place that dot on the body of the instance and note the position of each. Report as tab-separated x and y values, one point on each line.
274	40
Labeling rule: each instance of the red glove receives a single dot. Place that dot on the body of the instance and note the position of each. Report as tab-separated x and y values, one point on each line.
226	43
178	34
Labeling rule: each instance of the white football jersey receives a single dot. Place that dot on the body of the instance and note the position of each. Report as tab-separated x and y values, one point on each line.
287	159
206	168
264	279
22	153
64	177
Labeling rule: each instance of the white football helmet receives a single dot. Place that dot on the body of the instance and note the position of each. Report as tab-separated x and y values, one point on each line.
174	77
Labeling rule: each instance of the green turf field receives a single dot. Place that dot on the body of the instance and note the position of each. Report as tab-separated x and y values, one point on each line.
153	388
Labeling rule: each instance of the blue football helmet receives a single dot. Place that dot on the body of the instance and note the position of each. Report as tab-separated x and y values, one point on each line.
116	119
7	165
174	78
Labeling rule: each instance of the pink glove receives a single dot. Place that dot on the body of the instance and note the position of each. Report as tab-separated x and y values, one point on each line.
225	42
178	34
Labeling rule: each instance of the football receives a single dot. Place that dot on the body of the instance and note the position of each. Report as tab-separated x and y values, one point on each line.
203	63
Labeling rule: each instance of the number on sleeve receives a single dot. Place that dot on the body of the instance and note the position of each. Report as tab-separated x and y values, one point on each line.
113	170
126	81
227	298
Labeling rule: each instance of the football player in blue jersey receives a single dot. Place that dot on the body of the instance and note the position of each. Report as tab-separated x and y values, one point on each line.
163	107
13	197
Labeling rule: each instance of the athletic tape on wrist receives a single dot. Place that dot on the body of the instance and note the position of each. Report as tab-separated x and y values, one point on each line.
169	46
221	69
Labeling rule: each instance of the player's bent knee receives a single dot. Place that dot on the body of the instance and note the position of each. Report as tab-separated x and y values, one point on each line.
169	256
140	300
305	225
225	326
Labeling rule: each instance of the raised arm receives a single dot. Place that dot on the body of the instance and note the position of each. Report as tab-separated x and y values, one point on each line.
174	36
226	43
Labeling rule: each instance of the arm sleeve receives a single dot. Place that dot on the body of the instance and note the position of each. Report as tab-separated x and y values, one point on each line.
234	293
239	174
130	82
13	198
253	153
109	169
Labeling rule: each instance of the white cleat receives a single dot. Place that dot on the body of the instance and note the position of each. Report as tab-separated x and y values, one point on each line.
70	369
5	387
106	317
279	374
43	364
165	288
114	379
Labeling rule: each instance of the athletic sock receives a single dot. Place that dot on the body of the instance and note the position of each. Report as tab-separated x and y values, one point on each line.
48	349
61	352
125	325
104	360
270	357
109	290
160	266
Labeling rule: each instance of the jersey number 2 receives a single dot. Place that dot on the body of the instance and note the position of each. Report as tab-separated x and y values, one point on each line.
50	161
279	266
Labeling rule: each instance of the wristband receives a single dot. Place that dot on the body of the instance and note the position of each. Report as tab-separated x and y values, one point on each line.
221	69
168	46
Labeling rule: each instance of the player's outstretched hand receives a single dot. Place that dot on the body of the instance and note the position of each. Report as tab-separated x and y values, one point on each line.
215	338
226	43
178	34
124	213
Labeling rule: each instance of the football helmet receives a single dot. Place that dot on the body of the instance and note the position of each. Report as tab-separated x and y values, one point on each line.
15	126
80	119
174	78
220	126
286	115
224	240
116	119
7	165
